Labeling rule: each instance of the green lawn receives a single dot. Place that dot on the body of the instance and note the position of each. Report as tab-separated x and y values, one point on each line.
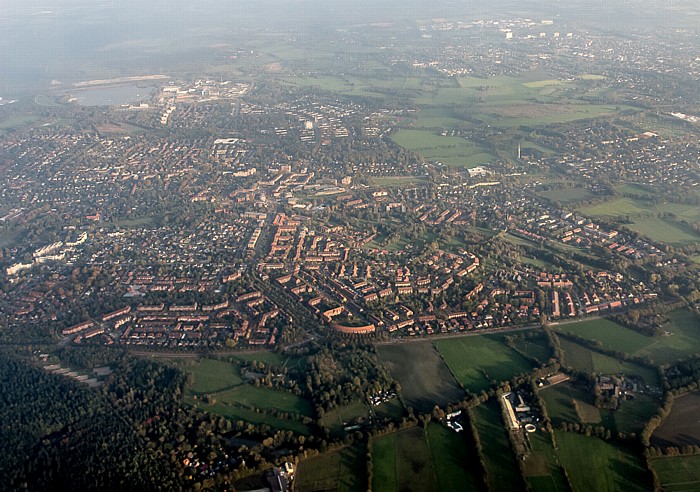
478	362
593	464
342	470
678	473
501	465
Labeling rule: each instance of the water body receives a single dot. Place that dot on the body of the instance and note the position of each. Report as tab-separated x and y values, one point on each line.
115	95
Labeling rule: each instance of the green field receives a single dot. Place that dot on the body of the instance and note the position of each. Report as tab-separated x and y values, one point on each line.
566	196
343	470
683	326
228	395
452	151
212	375
481	361
501	465
536	348
634	414
605	467
432	459
393	409
236	413
644	219
397	181
678	473
559	400
583	359
424	377
339	417
541	468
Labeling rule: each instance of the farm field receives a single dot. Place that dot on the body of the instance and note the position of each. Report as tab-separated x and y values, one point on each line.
435	458
343	470
479	362
452	151
536	348
541	468
335	419
228	395
566	196
587	360
606	467
645	221
634	414
403	463
501	465
212	375
683	326
424	377
678	473
682	426
392	409
396	181
560	399
235	413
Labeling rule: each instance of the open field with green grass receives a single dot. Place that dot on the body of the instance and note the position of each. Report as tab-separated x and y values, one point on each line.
228	395
424	377
343	470
397	181
407	451
454	459
536	348
584	359
634	414
643	216
452	151
212	375
248	396
432	459
665	231
541	468
235	413
479	362
678	473
339	417
683	326
605	467
392	409
566	196
560	399
501	465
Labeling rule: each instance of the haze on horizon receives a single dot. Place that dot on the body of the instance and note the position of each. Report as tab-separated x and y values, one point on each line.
70	40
